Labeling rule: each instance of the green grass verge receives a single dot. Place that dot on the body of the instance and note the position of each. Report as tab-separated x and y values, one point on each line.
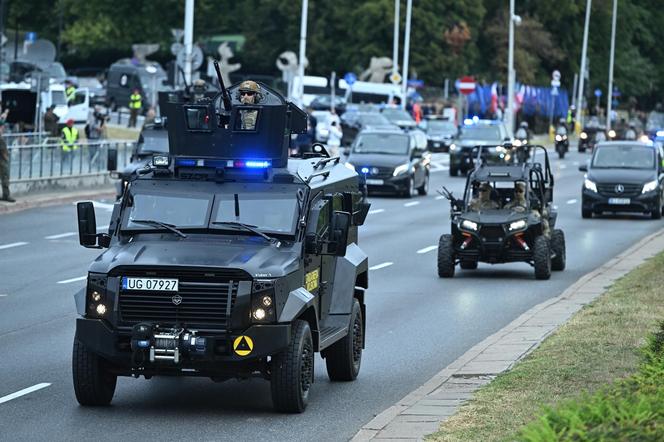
599	345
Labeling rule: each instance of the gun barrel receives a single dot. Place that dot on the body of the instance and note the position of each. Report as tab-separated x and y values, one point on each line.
224	92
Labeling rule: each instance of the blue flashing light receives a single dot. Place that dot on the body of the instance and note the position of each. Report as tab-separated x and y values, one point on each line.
143	344
476	119
186	162
364	170
251	164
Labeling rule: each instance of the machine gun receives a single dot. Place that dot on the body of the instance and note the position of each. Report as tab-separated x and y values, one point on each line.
455	203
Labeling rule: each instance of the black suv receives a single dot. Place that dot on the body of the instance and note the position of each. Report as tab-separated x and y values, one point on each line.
392	160
624	177
503	233
226	259
473	134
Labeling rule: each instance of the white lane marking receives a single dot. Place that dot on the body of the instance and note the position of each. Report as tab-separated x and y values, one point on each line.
23	392
381	266
371	212
441	169
572	201
563	166
440	197
67	281
413	203
427	249
576	163
60	235
3	296
14	244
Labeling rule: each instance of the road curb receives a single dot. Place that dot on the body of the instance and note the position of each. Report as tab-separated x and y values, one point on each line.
45	200
420	412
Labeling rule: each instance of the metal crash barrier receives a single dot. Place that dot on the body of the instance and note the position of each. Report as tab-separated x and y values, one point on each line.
48	159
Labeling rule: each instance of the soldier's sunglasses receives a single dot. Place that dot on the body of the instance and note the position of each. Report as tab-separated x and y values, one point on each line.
249	93
519	190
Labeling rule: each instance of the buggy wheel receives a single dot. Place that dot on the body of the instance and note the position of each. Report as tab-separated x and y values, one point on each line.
445	256
344	357
93	383
424	188
468	265
558	248
542	258
293	371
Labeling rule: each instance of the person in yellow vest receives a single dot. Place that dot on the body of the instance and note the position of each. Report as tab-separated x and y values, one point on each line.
70	91
68	144
135	105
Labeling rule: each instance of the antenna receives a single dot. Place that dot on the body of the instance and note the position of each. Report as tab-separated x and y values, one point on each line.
224	92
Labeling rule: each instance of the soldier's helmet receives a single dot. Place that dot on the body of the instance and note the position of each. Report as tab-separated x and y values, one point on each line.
199	85
250	86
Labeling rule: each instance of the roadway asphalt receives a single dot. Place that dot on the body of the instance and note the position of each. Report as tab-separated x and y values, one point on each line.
417	324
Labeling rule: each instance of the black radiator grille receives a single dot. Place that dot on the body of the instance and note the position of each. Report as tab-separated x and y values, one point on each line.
492	233
627	189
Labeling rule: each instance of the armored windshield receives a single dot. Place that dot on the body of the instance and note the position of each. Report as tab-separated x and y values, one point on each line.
269	212
182	211
153	141
386	143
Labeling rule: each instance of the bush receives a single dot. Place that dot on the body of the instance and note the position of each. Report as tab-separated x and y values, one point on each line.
631	409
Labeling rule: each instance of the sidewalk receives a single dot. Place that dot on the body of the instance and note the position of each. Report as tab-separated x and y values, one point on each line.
52	198
421	412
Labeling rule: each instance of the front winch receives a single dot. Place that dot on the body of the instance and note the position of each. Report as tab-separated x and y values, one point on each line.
154	344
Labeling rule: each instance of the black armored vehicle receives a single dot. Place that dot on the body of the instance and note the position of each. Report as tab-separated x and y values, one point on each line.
505	215
226	259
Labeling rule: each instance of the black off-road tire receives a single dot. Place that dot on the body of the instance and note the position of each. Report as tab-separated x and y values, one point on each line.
561	153
446	256
558	248
656	214
93	383
454	171
542	258
468	265
586	214
293	371
423	190
344	358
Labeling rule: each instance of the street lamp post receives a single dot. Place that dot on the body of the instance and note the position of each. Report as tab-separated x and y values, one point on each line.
582	72
188	38
395	41
303	50
406	52
514	20
609	95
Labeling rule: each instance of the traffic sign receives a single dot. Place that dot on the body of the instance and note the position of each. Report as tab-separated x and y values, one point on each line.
395	78
466	85
598	92
31	37
350	78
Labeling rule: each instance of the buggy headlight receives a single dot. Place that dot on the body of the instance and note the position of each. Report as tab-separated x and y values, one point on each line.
400	169
583	135
650	186
590	185
469	225
518	225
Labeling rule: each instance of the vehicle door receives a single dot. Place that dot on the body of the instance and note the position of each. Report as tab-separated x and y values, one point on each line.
79	107
418	154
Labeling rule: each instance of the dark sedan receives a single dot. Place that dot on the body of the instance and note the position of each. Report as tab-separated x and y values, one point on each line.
477	133
392	161
440	134
623	177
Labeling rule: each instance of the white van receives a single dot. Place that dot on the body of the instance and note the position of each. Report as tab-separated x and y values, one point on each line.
377	93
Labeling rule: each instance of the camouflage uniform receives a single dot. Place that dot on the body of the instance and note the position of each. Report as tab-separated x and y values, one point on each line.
483	201
519	204
249	93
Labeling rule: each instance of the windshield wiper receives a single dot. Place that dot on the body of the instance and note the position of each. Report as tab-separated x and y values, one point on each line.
156	223
249	228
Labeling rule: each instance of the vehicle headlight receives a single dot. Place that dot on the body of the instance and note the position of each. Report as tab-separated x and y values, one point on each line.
96	301
518	225
324	132
350	166
469	225
644	139
650	186
590	185
583	135
516	143
559	137
453	147
612	133
262	301
401	169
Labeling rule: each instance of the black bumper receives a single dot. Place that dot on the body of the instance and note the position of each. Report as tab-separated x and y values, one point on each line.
114	345
439	145
462	159
598	203
391	184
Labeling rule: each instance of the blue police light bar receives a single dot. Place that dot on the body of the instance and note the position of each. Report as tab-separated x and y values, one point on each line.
231	164
251	164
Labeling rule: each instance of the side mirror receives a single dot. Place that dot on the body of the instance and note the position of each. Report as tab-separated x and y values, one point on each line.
112	159
339	233
87	227
583	168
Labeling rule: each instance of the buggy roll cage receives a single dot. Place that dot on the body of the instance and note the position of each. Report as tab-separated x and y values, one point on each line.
513	160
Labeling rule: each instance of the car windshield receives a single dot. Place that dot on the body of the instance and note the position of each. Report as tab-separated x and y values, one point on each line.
397	114
183	211
440	126
250	208
624	157
388	143
154	141
655	121
373	120
482	133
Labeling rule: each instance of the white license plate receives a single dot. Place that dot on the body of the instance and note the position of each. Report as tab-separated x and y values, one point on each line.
151	284
620	201
371	182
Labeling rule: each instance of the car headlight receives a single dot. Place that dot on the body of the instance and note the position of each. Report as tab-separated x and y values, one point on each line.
516	143
590	185
350	166
324	132
97	304
650	186
401	169
453	147
262	301
583	135
612	133
469	225
644	139
518	225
